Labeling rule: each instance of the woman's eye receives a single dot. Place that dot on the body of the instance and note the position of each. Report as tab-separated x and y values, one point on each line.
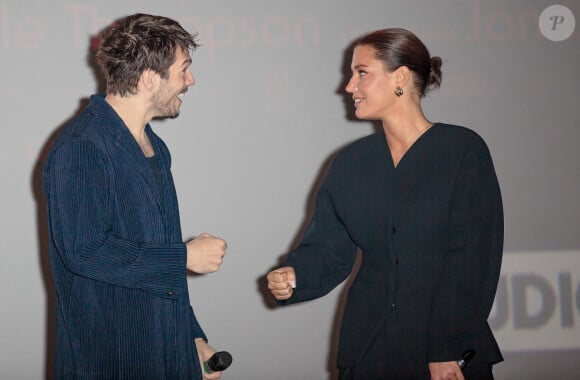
362	73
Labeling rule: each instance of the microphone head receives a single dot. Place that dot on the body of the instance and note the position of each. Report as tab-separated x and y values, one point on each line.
219	361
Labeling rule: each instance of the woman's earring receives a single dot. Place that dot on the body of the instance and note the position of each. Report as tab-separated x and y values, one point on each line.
398	91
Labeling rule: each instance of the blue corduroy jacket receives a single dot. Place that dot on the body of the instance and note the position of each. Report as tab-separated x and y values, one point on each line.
117	256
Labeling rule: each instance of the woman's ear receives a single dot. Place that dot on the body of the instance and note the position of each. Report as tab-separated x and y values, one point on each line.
401	76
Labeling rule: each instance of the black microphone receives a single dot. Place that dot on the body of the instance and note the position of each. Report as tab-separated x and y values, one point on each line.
218	362
465	358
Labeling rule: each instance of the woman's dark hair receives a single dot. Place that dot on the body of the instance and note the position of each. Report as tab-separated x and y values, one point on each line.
137	43
397	47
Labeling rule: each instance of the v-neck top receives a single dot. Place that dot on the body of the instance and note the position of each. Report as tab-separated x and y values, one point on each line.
410	147
431	235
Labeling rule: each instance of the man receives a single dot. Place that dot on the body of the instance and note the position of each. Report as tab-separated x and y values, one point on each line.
118	259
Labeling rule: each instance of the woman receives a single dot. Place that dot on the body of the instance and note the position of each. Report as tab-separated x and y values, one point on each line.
422	202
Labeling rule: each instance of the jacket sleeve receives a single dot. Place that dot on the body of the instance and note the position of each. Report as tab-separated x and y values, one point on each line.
81	218
325	255
467	286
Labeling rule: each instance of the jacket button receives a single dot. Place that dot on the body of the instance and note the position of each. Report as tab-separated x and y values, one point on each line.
170	293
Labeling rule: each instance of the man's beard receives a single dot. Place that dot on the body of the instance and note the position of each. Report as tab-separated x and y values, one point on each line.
166	109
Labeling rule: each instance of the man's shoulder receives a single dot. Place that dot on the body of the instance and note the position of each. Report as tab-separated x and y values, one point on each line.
96	122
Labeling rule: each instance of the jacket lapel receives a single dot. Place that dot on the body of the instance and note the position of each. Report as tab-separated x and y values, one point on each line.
129	152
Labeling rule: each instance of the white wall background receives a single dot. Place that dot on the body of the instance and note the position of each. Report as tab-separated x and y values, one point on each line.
254	136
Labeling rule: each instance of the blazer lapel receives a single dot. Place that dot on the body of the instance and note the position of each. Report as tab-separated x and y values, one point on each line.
126	150
129	152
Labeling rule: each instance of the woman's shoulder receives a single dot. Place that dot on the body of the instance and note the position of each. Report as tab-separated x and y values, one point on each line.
358	154
456	134
364	145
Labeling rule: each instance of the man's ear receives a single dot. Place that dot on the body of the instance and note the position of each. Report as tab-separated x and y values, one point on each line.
149	80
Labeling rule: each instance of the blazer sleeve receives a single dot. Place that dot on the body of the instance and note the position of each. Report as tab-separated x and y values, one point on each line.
326	253
464	297
80	213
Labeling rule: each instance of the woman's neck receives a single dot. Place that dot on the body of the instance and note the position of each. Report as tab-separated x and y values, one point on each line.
402	132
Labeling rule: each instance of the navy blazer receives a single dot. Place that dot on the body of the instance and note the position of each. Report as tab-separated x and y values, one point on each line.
117	255
431	235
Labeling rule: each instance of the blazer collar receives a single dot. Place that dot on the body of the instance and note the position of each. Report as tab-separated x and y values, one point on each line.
128	149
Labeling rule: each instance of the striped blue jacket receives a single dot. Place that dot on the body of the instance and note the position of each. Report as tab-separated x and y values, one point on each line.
117	256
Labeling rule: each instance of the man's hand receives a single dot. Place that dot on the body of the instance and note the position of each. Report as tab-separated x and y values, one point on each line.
445	371
282	282
205	351
205	253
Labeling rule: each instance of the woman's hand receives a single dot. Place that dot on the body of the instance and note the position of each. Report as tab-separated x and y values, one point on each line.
282	282
445	371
